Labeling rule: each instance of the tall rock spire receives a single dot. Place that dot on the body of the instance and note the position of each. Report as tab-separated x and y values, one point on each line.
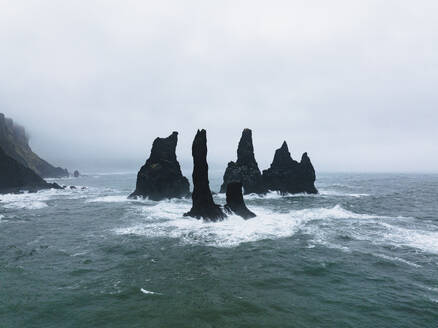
161	176
203	205
282	157
245	150
245	169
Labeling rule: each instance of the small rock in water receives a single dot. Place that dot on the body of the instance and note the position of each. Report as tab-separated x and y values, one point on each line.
235	202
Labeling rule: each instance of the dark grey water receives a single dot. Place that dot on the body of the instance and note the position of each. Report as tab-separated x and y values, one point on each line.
363	253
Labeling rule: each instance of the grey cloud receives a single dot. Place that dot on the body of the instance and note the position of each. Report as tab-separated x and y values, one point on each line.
351	82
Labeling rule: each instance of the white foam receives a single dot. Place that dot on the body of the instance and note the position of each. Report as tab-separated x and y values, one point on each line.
79	253
395	258
336	212
165	220
38	199
109	199
376	229
29	205
268	195
420	239
148	292
334	193
278	195
118	199
30	201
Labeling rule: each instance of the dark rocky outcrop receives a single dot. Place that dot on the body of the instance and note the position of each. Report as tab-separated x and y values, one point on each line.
15	177
203	205
15	143
289	176
161	176
245	169
76	174
235	203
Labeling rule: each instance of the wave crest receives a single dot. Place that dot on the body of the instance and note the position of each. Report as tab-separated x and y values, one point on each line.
165	220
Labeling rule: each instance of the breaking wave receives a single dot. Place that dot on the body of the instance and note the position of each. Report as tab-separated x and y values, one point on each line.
334	193
277	195
165	220
110	199
31	201
419	239
38	200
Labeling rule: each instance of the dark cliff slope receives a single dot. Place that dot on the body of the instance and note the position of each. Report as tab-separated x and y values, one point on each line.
15	177
15	143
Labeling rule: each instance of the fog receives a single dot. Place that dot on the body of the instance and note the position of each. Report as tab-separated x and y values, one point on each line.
353	83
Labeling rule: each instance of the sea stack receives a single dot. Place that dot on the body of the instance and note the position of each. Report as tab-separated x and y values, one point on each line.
289	176
203	205
245	169
15	177
235	203
161	178
76	174
15	143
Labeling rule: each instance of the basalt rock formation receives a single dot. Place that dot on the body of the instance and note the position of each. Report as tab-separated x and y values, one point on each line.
235	203
245	169
161	176
15	177
203	205
15	143
289	176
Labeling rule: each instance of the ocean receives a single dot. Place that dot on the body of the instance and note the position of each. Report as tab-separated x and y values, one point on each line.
362	253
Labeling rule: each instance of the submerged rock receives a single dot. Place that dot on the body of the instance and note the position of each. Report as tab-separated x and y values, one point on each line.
203	205
15	143
289	176
161	176
235	202
15	177
245	169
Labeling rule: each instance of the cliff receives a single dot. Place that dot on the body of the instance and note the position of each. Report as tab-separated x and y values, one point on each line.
15	143
15	177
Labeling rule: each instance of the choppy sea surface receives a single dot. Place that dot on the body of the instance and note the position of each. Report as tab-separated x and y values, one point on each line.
362	253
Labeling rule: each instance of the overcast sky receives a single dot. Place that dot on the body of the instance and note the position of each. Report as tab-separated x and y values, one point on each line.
353	83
